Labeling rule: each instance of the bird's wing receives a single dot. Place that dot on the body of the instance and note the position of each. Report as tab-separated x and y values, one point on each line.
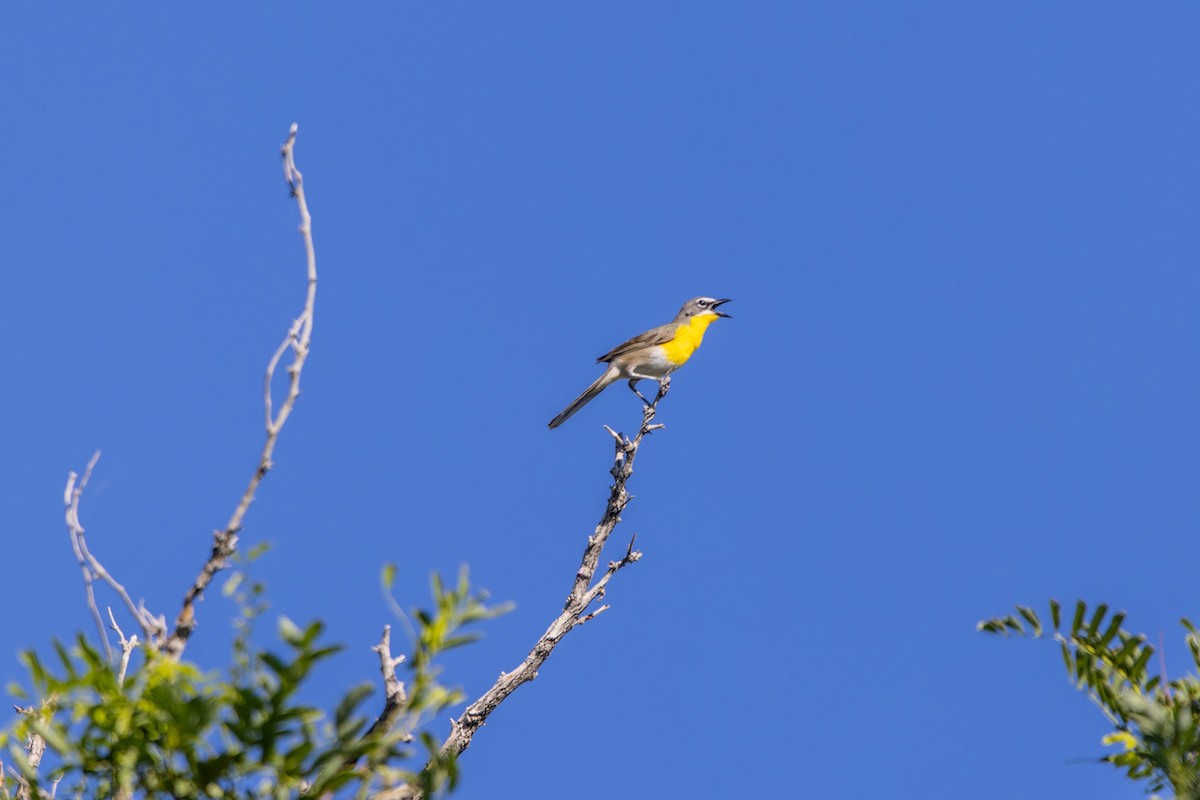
655	336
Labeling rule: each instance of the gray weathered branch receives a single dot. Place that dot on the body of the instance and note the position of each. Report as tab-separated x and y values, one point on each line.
297	341
584	592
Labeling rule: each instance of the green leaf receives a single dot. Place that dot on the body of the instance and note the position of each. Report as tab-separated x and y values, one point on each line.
1128	649
1138	670
1097	618
232	583
275	663
1113	628
351	701
990	626
387	576
1031	618
1077	622
257	550
461	639
1055	614
1083	666
67	662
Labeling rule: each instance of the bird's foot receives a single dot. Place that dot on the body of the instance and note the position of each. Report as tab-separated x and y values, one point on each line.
664	386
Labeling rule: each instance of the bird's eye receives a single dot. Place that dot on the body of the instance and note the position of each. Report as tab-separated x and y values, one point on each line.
702	303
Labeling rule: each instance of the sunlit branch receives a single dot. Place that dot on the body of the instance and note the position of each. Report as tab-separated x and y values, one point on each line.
296	341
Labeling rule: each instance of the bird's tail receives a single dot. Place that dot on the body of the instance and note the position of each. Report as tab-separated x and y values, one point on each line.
579	402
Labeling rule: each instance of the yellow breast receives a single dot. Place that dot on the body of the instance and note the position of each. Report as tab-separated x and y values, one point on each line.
687	338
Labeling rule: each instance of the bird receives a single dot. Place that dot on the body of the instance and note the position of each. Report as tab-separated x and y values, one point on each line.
654	354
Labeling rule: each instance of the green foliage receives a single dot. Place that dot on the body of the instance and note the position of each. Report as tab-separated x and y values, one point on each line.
174	730
1156	724
442	629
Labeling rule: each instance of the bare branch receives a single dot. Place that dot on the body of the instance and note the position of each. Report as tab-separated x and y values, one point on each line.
71	497
583	591
394	695
298	337
127	646
91	567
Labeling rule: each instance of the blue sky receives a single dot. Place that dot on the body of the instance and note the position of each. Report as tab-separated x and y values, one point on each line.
961	241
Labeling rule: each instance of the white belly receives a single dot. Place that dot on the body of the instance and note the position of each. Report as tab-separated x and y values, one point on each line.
652	363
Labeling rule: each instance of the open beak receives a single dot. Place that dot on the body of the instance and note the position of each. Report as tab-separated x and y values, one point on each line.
720	303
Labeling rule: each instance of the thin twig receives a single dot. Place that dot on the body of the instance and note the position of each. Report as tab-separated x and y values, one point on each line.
71	497
153	628
583	591
298	337
127	646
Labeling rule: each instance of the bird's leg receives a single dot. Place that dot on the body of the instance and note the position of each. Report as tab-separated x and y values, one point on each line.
633	386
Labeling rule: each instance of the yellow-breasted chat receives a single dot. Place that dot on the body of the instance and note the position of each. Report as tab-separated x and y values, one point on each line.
652	355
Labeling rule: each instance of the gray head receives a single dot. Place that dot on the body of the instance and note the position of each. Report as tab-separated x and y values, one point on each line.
700	305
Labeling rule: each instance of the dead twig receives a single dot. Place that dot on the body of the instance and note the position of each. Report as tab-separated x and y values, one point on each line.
152	628
395	696
297	340
127	646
